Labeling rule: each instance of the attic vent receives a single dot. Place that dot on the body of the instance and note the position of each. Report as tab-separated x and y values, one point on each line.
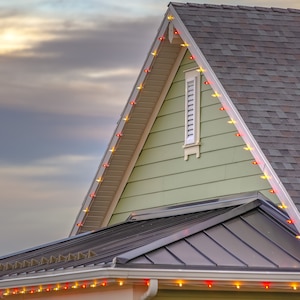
192	114
190	111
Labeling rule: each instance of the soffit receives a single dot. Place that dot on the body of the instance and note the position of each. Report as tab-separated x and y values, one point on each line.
132	126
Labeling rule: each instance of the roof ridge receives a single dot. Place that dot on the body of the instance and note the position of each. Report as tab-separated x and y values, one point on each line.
238	7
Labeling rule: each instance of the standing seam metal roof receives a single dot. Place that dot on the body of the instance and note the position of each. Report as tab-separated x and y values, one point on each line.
248	233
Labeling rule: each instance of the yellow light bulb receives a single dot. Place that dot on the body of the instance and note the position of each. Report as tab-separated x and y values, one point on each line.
185	44
201	70
231	121
154	53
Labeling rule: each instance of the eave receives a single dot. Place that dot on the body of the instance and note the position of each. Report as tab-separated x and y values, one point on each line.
129	136
167	279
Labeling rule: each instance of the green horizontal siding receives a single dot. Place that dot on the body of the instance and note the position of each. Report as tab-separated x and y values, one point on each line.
212	295
161	176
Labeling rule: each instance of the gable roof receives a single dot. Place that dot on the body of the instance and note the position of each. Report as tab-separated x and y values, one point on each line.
254	52
250	56
203	237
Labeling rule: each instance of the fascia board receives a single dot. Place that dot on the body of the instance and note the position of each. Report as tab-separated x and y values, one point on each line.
119	128
136	273
239	123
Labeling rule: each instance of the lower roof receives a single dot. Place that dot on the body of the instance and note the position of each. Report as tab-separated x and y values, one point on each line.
242	232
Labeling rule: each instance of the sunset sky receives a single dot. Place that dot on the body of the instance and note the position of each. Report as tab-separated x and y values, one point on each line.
67	68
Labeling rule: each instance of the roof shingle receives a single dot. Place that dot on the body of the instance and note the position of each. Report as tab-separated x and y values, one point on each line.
255	53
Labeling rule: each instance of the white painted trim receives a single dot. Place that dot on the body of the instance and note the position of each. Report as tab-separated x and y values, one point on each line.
240	125
143	138
160	274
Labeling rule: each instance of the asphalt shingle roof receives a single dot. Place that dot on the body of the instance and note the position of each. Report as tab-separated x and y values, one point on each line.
255	53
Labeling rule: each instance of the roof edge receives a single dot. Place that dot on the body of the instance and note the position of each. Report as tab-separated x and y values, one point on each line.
161	274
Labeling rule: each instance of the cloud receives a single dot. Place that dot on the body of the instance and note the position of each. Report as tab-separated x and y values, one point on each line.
47	191
77	74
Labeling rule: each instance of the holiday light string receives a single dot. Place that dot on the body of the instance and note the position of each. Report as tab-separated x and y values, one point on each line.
115	283
265	175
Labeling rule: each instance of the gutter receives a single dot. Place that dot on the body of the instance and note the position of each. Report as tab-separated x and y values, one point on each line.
153	274
152	290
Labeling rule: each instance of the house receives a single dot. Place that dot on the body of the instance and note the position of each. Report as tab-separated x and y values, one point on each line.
198	194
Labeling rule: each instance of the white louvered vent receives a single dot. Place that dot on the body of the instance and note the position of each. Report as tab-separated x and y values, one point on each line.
190	111
192	114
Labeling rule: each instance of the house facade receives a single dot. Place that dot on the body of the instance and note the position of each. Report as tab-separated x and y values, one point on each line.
198	192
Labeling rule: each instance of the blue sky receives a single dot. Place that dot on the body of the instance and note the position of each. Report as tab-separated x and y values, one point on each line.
67	68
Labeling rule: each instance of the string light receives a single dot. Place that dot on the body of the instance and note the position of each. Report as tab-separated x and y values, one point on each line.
176	32
206	82
86	210
132	102
105	165
290	221
248	148
126	118
147	70
265	176
192	57
93	195
161	38
140	87
170	17
254	162
99	179
154	53
282	206
231	121
266	285
271	191
200	70
237	134
216	95
113	149
75	285
119	134
222	108
185	44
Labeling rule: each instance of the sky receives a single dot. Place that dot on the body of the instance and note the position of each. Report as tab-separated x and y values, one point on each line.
67	68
